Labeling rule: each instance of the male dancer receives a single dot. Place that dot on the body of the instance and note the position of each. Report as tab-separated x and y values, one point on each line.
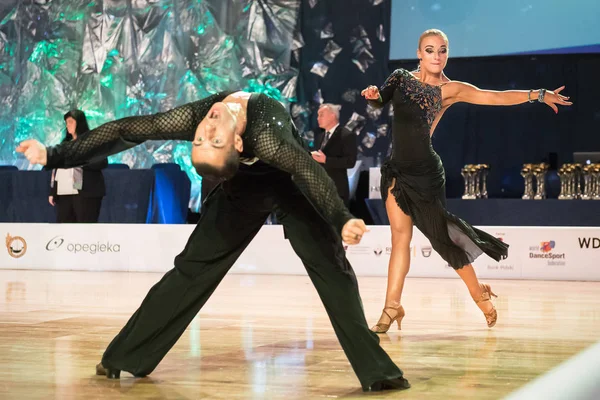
250	141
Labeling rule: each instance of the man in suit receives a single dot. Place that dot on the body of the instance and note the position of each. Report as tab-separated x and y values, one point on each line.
336	148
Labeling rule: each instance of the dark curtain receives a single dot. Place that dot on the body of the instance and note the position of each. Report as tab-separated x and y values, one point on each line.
346	48
507	137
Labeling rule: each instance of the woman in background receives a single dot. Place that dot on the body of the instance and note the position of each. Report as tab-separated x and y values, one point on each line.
77	192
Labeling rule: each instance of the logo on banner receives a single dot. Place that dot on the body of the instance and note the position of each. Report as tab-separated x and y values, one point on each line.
363	250
54	243
547	251
546	247
377	251
589	243
16	246
500	267
426	251
58	242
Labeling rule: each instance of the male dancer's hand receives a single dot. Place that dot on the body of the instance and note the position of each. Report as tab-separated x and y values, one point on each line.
353	231
370	93
34	151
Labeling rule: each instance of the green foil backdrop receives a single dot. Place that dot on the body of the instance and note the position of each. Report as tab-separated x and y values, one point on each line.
117	58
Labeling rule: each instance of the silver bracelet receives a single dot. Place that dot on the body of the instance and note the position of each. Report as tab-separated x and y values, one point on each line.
529	99
541	95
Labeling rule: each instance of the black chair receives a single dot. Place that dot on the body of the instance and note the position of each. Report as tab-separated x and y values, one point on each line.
117	166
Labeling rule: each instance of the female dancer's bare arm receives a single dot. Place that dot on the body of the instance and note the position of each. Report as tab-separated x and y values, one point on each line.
455	92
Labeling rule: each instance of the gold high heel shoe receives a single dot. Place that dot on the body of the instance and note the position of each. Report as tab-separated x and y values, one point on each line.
381	327
491	316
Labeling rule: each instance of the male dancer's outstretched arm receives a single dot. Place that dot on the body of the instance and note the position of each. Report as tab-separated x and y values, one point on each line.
273	143
113	137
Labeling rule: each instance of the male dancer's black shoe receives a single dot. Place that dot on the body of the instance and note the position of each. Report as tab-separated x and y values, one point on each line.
110	373
390	384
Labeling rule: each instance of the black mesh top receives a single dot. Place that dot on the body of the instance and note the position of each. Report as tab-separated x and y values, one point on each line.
270	136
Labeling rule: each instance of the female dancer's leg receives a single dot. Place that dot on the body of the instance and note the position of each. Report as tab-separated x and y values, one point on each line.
401	226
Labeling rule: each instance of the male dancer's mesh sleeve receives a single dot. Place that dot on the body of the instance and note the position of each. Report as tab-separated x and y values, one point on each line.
275	140
113	137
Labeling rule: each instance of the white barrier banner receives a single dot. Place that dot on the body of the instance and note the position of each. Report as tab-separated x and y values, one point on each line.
562	253
93	247
535	252
509	268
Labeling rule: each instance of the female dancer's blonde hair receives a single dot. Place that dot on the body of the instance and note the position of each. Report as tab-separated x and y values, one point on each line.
433	32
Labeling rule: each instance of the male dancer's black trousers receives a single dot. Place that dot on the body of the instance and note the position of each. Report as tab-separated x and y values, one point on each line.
230	218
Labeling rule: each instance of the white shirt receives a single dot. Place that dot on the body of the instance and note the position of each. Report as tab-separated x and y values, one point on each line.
328	134
330	131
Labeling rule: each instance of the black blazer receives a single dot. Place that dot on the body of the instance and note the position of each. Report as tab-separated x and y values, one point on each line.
341	152
93	180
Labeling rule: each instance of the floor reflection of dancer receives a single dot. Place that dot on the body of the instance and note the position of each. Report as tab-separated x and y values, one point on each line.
250	140
413	179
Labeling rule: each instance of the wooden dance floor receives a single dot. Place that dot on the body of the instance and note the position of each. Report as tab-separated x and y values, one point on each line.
268	337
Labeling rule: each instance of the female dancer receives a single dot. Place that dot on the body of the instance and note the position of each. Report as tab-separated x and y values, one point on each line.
413	179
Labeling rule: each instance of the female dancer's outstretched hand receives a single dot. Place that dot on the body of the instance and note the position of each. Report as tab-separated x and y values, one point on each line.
370	93
553	98
34	151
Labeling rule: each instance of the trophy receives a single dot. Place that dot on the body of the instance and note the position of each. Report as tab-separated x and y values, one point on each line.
595	189
539	172
464	174
527	174
568	182
562	174
570	195
535	181
578	181
467	173
481	181
577	175
475	178
588	182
